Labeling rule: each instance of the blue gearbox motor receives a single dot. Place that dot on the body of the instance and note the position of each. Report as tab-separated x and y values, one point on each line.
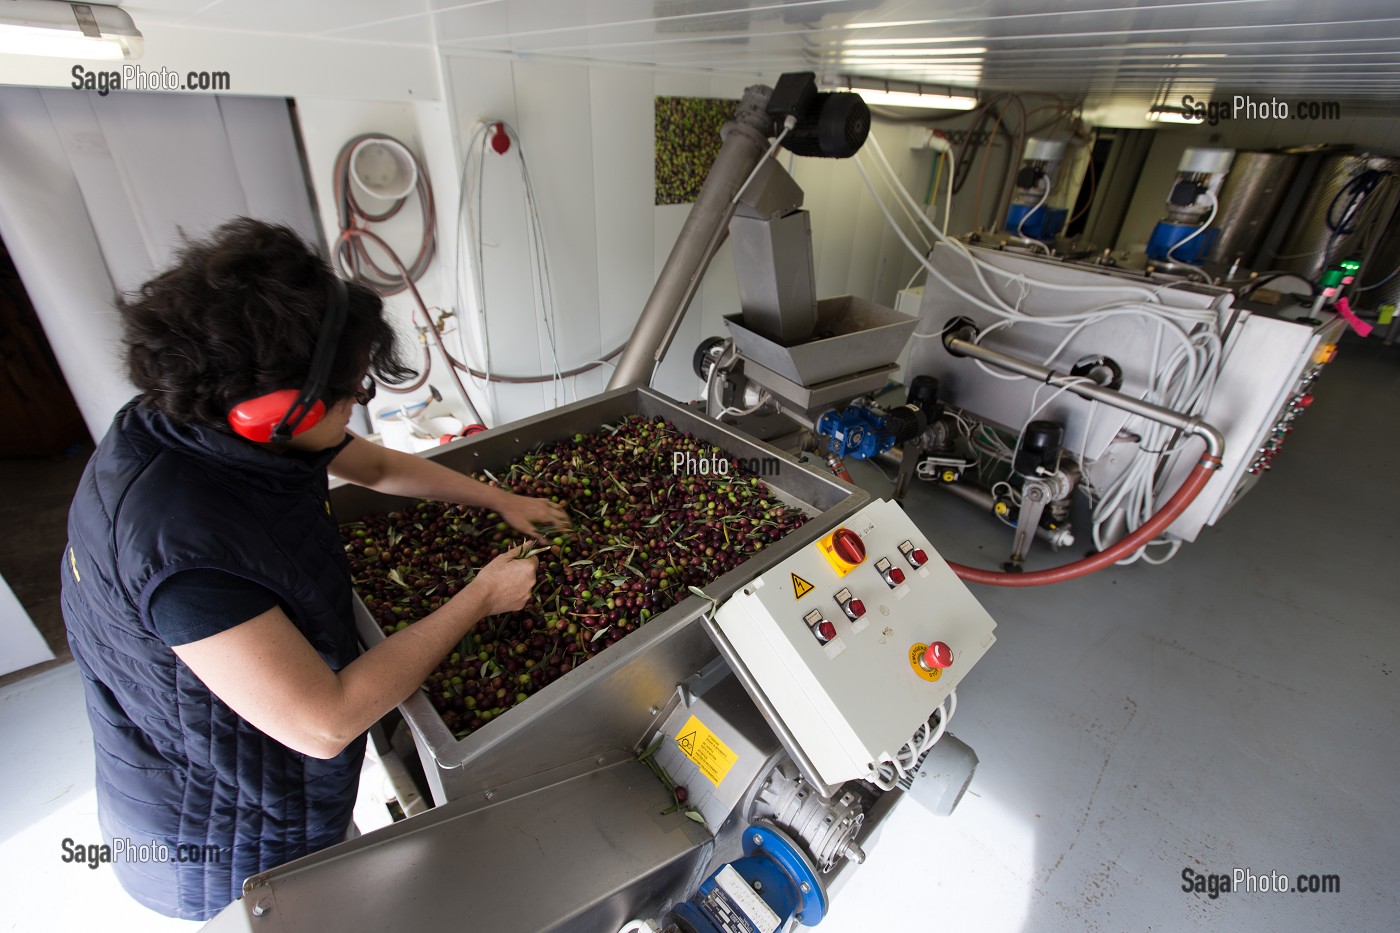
864	431
771	885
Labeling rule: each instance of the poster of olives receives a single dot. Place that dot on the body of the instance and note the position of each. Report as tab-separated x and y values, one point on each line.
687	141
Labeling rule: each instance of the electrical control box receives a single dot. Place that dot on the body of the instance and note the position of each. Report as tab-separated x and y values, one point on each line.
1272	361
856	639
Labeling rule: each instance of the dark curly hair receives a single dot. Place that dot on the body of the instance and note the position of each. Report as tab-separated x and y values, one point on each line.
238	316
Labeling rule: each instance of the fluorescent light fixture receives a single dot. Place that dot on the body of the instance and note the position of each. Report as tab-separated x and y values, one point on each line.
891	24
948	64
889	97
55	29
899	52
927	101
1173	115
914	41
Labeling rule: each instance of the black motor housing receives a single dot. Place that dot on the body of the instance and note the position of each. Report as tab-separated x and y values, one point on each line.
830	125
1040	448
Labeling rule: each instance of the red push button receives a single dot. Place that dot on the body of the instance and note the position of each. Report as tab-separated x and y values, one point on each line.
855	609
848	546
918	558
825	632
896	576
938	655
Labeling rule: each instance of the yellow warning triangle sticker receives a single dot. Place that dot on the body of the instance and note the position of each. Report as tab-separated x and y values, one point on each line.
800	587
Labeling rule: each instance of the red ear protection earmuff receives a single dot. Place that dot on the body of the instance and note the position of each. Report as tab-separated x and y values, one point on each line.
257	419
277	416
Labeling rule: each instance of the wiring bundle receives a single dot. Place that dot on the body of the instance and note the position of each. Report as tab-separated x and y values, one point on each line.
1186	354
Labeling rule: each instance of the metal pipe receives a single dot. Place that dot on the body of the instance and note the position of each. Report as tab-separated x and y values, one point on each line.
745	141
1215	441
976	495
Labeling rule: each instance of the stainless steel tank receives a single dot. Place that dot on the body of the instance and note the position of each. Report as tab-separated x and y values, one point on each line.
1249	203
1311	244
1379	281
604	704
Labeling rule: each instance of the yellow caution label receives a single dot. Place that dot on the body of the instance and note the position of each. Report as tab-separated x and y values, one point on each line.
700	745
800	587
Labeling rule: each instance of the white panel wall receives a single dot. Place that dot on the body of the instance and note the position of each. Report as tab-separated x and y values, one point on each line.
46	228
624	210
327	124
96	193
589	135
261	63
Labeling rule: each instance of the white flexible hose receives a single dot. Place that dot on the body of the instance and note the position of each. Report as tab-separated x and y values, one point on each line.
1184	382
1171	257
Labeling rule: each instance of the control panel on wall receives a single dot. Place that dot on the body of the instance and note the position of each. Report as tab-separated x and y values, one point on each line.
1299	400
857	638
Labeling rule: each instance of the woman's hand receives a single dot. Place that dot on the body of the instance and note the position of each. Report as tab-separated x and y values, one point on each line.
530	516
503	585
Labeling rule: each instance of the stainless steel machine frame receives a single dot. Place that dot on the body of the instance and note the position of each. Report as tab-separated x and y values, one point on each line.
545	820
607	703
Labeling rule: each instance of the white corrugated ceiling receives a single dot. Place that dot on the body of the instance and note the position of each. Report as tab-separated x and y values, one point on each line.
1345	50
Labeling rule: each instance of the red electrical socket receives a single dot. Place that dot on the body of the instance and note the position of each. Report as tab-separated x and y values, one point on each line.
500	139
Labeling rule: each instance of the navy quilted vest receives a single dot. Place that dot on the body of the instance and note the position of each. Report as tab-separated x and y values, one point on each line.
175	766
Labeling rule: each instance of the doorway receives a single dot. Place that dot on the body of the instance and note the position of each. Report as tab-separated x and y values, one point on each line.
43	449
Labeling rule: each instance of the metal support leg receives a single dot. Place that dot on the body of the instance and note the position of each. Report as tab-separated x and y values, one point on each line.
1035	495
908	465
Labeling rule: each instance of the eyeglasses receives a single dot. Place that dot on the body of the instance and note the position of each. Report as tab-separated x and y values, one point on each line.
365	392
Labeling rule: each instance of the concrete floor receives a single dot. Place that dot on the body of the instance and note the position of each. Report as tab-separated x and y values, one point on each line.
1233	709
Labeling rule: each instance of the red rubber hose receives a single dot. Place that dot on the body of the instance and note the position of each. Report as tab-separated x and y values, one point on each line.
838	467
1149	530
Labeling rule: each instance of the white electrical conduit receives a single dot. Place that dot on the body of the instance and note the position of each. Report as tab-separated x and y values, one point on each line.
1155	312
542	284
892	770
1020	226
1195	233
1006	311
1148	293
1184	383
474	258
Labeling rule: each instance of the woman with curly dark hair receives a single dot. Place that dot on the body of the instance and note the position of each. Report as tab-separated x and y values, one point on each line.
205	588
